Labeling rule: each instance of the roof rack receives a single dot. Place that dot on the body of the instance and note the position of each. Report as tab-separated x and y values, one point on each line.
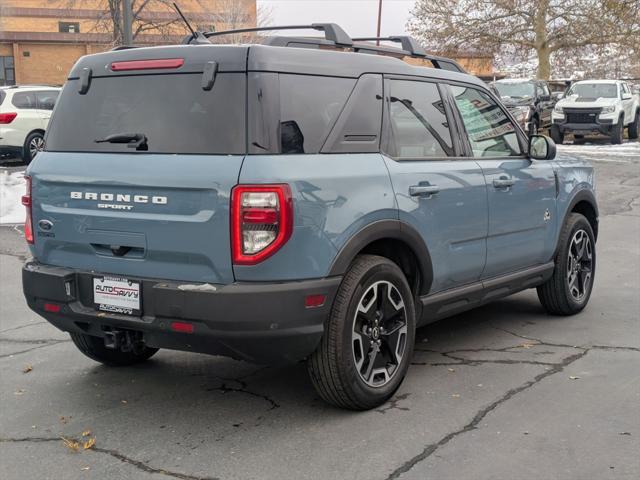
408	44
332	32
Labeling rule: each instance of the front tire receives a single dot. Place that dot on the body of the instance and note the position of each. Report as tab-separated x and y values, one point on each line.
368	340
568	291
634	126
556	135
94	348
617	133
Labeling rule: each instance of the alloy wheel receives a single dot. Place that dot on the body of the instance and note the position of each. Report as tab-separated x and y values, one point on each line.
580	265
36	145
379	334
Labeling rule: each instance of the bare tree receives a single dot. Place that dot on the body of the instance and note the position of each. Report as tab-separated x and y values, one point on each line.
234	14
149	16
546	27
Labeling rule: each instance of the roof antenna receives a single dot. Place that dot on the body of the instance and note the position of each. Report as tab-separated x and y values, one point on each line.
196	37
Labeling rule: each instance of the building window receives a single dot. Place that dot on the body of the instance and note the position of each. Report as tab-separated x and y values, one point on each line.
7	71
68	27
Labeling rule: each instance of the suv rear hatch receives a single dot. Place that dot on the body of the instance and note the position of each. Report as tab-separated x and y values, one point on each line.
156	207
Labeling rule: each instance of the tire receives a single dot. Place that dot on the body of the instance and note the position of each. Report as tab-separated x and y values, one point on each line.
556	135
558	295
534	127
32	145
93	347
617	133
634	126
340	368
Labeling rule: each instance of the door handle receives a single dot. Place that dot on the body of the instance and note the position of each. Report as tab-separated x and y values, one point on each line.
423	190
503	182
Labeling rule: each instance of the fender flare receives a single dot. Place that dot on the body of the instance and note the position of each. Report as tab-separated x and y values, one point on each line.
582	195
386	229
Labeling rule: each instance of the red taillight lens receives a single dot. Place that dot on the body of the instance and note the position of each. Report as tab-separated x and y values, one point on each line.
27	201
52	307
261	221
6	118
147	64
182	327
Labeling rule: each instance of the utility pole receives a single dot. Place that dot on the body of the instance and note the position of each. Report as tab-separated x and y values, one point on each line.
379	20
127	22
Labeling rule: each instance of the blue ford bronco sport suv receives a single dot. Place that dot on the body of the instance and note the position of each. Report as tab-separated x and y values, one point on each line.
303	199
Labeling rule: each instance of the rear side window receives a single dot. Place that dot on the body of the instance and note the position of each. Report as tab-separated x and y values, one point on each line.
24	100
172	111
309	106
490	131
418	126
46	100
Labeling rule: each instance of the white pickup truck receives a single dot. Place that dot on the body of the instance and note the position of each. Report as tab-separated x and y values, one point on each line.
596	106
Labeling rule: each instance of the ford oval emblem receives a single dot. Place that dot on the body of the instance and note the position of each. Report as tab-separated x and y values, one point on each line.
45	225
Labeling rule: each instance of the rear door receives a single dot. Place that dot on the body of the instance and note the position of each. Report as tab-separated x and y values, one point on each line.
521	191
156	209
439	193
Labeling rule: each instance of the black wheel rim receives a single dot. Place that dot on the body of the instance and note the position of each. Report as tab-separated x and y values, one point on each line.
379	334
580	266
36	145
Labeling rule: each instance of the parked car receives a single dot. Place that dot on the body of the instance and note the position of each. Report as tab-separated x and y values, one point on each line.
278	204
597	106
529	101
24	115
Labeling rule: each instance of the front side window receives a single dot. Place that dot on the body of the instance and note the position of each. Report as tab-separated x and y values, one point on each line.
418	126
490	132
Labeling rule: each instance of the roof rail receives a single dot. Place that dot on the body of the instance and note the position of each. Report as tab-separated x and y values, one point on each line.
408	44
332	32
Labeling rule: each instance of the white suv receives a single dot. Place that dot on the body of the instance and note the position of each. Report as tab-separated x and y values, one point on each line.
596	106
24	116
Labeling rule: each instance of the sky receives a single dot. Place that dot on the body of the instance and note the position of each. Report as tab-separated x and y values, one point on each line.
357	17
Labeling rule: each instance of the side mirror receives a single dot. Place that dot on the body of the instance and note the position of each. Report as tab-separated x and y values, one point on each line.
541	147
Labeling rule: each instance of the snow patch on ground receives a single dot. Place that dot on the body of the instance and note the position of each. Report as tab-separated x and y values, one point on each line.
604	152
12	187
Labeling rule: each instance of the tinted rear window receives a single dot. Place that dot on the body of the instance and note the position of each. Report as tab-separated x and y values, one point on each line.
173	111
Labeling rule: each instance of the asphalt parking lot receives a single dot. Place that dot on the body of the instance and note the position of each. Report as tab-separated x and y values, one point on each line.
502	392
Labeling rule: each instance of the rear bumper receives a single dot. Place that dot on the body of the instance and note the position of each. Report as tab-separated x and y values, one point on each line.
258	322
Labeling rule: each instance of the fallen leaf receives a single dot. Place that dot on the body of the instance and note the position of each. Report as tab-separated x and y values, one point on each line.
124	401
85	468
527	345
573	377
624	433
19	392
451	369
71	444
89	443
479	384
86	433
456	395
27	369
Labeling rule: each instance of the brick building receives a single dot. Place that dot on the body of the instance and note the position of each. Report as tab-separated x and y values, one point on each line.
40	40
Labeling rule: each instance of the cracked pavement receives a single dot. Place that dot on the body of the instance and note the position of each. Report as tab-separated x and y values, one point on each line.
501	392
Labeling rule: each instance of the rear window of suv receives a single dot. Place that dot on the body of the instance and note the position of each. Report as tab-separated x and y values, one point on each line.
172	111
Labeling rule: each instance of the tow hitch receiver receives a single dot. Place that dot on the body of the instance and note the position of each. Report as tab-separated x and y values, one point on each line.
123	340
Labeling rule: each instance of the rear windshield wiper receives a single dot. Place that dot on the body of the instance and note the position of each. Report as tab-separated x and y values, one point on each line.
138	141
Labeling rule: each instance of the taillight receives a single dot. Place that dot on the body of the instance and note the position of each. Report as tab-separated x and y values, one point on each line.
261	221
6	118
28	222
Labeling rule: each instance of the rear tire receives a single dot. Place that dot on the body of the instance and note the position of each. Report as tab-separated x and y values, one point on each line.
32	145
617	133
568	291
368	341
634	126
556	135
93	347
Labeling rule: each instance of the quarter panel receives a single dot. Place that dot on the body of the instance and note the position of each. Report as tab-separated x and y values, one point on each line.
334	197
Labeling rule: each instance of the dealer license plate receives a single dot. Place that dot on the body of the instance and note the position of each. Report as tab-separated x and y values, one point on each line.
116	295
